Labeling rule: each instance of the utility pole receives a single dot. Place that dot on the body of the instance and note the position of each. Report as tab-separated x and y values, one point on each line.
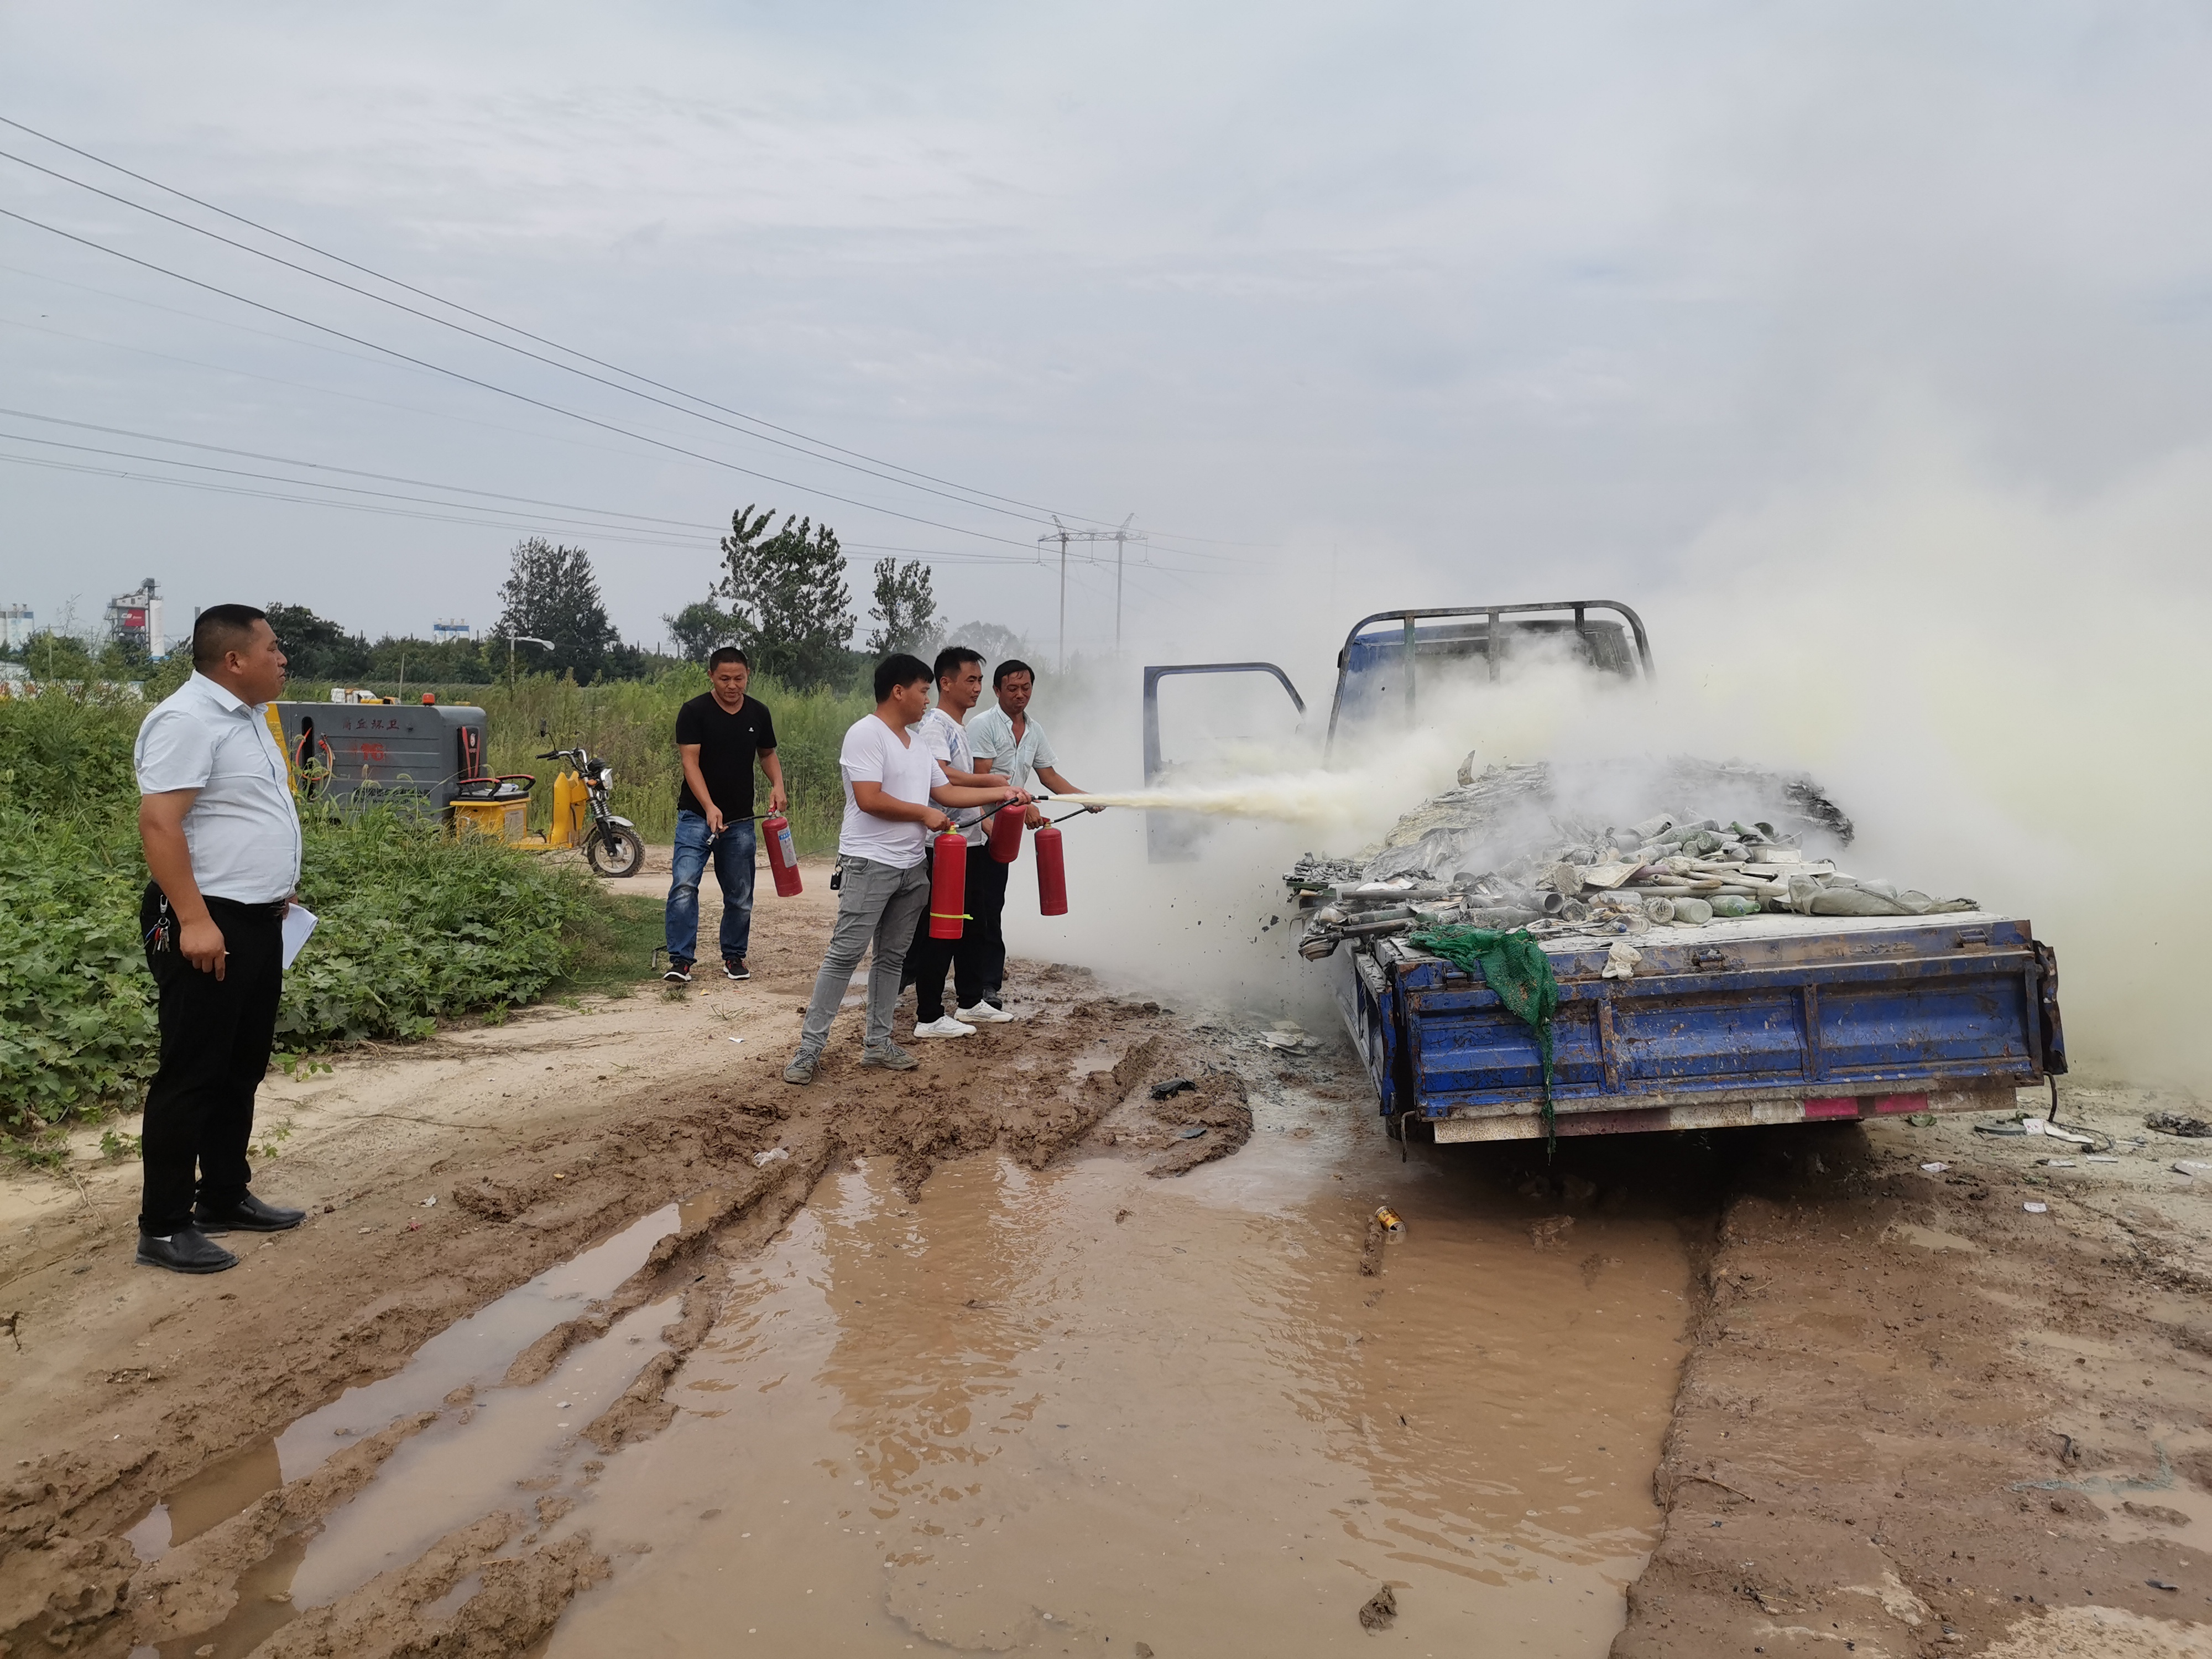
1121	537
1062	528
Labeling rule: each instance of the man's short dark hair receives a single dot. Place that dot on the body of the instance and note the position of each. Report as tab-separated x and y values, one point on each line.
895	671
952	659
221	629
1012	666
727	653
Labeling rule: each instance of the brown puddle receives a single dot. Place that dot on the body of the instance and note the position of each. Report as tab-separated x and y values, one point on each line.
476	1350
1003	1419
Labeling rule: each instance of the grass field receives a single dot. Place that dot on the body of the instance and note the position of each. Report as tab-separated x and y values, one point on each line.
631	724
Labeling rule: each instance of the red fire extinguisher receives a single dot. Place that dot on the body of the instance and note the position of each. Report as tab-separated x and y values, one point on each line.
1006	842
782	856
948	885
1052	874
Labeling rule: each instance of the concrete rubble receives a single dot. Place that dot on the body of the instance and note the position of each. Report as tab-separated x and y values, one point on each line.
1532	847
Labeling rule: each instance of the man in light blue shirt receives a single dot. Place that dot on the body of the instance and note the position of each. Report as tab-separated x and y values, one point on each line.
1006	741
223	845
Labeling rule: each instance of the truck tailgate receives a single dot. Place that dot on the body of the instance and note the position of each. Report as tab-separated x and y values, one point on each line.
1769	1019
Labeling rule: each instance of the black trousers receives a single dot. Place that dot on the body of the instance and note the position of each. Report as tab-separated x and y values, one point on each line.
215	1039
977	958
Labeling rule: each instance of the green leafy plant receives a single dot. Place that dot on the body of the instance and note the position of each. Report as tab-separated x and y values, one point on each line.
414	927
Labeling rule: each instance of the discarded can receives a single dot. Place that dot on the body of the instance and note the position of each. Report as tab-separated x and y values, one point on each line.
1391	1224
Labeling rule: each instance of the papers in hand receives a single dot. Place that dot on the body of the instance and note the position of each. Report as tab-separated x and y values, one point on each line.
299	922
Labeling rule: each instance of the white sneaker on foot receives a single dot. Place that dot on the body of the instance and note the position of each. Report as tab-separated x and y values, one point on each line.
944	1025
984	1014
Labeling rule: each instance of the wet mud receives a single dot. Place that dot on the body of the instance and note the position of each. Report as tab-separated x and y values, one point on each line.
1922	1417
1074	1409
1008	1354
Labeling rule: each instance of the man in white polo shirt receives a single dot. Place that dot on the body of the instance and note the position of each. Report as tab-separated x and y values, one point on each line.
890	780
223	845
1007	742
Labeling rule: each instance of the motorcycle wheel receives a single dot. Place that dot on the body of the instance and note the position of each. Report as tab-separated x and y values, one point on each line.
615	851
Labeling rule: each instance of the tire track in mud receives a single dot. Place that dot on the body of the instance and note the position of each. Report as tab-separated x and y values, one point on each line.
379	1276
1920	1418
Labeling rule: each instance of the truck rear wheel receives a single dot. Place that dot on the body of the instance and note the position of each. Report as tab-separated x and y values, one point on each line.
615	851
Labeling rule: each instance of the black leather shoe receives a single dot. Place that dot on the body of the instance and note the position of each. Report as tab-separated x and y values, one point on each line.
248	1215
187	1250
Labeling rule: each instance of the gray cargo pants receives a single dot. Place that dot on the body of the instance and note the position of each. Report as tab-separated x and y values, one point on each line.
876	901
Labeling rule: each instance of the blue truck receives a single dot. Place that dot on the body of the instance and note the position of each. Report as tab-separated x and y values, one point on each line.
1766	1019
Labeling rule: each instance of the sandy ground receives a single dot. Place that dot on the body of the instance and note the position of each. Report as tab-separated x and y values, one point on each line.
1921	1417
1913	1417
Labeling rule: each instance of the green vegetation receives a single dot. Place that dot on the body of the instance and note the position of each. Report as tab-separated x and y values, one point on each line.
614	946
631	724
413	926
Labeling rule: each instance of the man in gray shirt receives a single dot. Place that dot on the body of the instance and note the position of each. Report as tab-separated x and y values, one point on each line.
223	845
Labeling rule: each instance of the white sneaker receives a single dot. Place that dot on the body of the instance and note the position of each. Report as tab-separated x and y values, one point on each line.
944	1025
984	1014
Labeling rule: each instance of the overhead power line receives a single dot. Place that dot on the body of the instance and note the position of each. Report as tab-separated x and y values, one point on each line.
349	472
854	552
504	391
804	444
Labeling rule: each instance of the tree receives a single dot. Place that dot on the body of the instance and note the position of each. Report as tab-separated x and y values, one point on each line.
698	631
996	643
789	602
905	610
319	649
550	592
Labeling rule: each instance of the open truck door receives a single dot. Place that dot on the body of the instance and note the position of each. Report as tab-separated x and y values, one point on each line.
1172	837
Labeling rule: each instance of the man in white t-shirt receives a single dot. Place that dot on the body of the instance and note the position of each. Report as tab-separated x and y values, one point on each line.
959	683
882	858
1007	742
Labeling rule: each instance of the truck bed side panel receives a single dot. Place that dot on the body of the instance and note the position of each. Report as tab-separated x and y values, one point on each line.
1828	1012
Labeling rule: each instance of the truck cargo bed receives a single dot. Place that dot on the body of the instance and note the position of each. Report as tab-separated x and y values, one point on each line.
1767	1018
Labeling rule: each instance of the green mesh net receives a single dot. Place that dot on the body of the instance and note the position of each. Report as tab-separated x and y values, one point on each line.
1514	966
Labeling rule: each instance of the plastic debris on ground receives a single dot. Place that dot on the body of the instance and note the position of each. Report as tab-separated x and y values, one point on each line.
761	1160
1505	853
2034	1208
2173	1123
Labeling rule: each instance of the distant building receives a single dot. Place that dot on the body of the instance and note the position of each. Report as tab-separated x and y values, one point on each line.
444	630
134	618
17	624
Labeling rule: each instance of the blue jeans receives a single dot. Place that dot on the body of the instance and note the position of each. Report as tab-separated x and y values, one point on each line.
733	852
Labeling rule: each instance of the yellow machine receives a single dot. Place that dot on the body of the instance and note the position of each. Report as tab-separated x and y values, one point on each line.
583	813
506	816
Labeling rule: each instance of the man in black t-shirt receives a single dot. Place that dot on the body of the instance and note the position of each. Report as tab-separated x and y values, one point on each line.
718	736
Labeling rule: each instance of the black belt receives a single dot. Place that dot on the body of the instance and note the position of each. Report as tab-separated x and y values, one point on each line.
261	910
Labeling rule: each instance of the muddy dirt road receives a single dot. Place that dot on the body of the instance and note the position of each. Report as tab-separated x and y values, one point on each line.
1001	1355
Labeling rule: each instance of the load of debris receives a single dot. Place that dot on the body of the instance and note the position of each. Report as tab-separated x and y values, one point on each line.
1528	847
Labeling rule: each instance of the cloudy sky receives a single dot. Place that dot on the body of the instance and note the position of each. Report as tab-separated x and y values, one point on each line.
1349	306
